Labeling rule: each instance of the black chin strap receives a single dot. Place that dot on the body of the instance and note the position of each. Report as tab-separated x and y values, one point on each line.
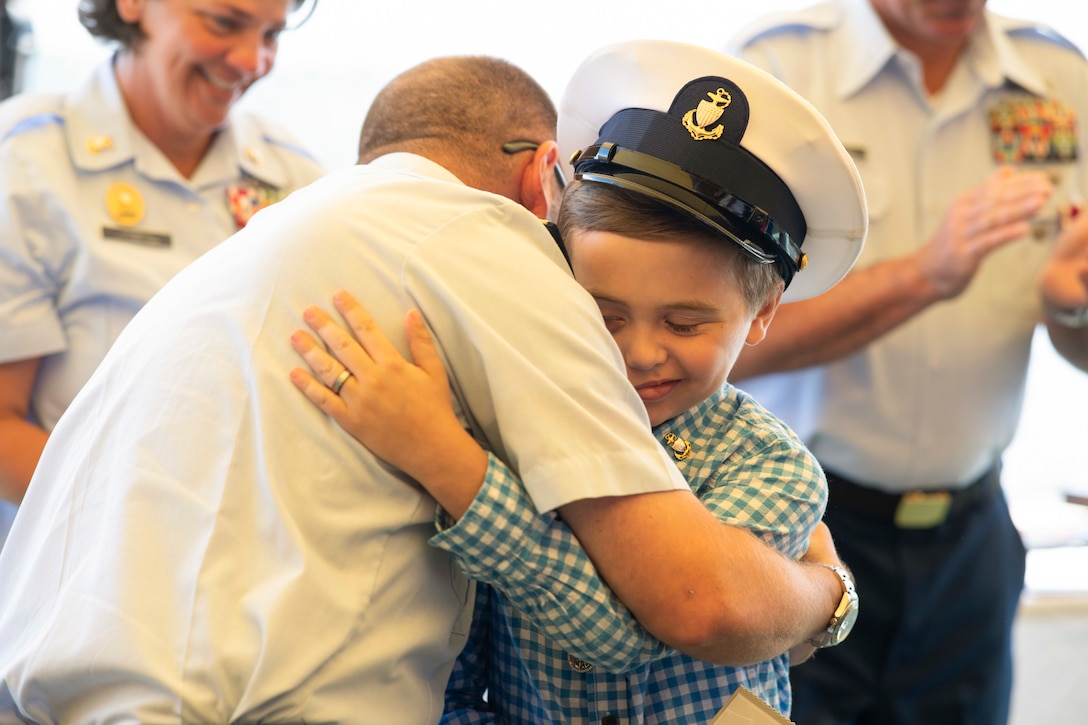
554	231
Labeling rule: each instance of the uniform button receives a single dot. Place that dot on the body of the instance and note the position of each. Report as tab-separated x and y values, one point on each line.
609	720
192	207
579	665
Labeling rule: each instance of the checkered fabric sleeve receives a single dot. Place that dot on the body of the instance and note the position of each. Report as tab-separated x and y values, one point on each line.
536	561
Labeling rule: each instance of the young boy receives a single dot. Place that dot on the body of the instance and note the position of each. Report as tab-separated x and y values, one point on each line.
686	226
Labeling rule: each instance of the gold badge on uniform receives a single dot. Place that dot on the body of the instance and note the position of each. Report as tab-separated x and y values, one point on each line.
124	204
1030	129
249	197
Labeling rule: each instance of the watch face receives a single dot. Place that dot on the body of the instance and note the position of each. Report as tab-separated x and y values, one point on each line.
843	626
846	613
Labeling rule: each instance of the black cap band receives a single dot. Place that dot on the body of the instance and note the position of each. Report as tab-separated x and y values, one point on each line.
648	151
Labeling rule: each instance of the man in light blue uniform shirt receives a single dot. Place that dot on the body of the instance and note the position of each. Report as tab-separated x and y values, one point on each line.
907	379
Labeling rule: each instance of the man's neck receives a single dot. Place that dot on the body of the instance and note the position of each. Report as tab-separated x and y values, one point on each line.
937	66
937	53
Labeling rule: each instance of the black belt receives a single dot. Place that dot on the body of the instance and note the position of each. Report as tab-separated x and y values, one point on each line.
923	509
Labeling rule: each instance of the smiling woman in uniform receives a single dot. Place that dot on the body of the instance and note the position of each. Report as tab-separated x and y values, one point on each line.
112	188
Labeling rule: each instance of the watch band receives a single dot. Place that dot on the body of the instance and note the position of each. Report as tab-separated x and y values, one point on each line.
844	616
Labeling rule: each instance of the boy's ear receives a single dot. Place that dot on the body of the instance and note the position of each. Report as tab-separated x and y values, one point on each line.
762	320
539	192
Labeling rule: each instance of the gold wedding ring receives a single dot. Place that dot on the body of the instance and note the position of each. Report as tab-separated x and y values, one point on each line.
340	380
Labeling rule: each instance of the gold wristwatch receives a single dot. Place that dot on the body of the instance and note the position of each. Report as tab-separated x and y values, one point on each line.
842	621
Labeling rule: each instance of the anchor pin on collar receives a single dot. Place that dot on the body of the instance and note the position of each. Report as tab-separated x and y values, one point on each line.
680	447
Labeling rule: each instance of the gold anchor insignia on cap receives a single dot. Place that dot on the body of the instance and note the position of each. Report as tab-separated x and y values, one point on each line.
253	155
98	144
681	449
124	204
708	111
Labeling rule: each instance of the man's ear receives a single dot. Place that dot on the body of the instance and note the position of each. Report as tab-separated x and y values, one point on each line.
758	329
539	191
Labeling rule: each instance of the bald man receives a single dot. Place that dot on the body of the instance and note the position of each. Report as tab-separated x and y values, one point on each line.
200	541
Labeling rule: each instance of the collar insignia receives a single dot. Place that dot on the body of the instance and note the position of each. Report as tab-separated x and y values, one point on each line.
681	449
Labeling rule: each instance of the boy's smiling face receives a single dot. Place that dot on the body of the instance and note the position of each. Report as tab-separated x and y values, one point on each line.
675	311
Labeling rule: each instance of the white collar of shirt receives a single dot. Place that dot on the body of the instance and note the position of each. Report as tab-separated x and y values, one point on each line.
414	164
97	111
990	54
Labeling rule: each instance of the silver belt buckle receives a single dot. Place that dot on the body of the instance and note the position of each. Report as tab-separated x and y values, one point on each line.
922	509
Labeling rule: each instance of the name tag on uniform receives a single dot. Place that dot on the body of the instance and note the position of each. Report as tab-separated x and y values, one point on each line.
136	236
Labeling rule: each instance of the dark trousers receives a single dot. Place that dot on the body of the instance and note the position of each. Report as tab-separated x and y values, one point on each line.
932	643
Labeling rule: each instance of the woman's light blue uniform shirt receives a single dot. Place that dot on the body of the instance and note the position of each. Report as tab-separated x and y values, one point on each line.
95	220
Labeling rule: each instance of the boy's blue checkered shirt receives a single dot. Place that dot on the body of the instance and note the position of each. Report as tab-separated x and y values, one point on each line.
745	466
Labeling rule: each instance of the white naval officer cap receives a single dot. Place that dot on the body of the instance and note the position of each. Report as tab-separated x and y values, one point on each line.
724	142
